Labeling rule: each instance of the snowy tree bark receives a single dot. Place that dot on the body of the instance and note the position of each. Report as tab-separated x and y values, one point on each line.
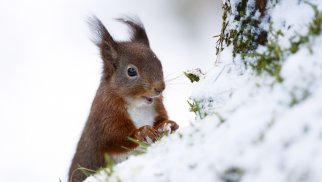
241	25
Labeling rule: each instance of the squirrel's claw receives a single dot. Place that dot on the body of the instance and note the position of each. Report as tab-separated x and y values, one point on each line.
146	134
166	126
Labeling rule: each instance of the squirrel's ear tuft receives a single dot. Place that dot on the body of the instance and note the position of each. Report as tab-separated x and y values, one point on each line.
103	39
137	30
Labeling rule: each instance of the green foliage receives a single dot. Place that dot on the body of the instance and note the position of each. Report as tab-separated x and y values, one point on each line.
195	107
192	77
143	146
241	9
246	36
270	60
221	38
87	172
315	27
232	174
201	109
109	168
296	42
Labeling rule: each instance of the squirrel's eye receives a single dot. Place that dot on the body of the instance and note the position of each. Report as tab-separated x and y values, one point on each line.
132	72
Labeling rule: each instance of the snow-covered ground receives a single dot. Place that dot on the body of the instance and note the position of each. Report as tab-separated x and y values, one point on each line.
256	129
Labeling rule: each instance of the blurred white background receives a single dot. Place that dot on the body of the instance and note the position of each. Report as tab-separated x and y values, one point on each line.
50	70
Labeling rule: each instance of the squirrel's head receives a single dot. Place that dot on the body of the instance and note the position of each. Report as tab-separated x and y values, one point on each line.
130	67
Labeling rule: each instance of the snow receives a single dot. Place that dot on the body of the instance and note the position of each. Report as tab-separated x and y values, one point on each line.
271	131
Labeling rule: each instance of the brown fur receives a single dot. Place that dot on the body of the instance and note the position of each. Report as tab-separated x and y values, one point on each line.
108	126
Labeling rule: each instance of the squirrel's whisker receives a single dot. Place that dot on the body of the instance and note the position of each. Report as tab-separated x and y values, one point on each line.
172	79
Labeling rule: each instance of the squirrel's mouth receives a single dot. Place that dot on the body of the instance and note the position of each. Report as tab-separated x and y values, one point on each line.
148	100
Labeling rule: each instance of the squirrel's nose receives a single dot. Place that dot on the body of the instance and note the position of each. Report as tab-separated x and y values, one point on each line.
158	88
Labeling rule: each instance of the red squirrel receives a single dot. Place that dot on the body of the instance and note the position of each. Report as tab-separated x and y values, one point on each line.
128	102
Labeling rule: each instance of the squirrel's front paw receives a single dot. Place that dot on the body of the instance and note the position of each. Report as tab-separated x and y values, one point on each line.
166	126
146	134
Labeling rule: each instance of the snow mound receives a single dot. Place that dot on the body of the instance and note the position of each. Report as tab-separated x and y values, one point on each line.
250	128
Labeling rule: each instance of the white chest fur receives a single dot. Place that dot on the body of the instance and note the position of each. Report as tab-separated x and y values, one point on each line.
141	113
